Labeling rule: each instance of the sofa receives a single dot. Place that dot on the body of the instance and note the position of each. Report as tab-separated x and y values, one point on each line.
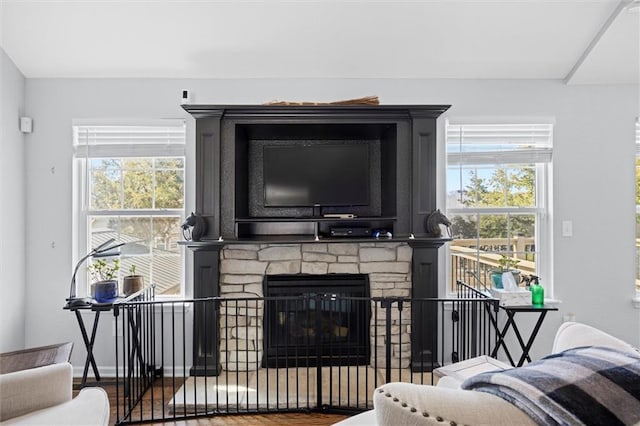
43	396
446	403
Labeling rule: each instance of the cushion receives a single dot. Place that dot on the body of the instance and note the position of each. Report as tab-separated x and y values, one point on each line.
366	418
574	334
90	407
25	391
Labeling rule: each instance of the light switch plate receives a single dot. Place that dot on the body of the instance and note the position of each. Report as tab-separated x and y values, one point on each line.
26	124
567	228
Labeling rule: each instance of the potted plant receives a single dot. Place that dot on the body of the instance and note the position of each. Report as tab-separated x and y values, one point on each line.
105	287
505	264
132	283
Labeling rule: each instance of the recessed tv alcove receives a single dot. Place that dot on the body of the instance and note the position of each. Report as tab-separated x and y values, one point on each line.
308	171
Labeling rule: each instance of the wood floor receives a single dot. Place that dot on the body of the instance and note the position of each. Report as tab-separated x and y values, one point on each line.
310	419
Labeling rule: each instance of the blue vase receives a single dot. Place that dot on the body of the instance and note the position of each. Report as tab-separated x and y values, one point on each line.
106	291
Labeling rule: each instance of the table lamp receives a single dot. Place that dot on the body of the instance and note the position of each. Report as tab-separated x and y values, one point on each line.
100	251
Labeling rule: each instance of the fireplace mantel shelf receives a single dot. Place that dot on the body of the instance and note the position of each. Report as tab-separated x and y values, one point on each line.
305	239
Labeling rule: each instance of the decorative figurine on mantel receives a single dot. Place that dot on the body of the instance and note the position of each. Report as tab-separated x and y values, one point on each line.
194	227
432	224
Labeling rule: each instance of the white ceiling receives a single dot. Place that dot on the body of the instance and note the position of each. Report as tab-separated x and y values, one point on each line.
580	41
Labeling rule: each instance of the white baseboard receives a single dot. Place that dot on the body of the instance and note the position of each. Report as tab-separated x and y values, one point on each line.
110	372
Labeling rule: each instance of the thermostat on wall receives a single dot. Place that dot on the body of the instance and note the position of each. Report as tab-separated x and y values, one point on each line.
26	124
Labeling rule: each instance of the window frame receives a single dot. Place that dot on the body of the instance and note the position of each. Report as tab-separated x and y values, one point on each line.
543	233
84	153
637	244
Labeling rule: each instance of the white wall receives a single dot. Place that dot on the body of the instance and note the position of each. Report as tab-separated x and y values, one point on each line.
13	210
593	174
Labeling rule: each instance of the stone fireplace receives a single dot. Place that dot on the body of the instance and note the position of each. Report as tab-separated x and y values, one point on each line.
244	266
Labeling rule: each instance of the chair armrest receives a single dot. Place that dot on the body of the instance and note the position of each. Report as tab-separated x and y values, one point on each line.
90	407
574	334
405	403
28	390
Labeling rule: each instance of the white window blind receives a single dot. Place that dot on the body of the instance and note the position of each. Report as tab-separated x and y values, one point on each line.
513	143
164	137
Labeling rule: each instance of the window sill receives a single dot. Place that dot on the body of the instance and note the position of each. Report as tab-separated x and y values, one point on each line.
172	305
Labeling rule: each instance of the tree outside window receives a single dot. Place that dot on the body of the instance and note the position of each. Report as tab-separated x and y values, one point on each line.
143	192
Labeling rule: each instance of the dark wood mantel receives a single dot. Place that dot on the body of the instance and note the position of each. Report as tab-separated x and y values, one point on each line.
297	112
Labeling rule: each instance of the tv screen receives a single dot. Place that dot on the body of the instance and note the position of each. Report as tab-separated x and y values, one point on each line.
321	174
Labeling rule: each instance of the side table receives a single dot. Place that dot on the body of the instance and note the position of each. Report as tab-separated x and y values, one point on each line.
511	324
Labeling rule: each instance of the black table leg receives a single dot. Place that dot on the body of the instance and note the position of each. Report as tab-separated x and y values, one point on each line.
88	343
525	353
136	351
526	348
501	341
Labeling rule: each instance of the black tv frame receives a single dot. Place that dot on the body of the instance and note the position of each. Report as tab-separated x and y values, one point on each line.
252	139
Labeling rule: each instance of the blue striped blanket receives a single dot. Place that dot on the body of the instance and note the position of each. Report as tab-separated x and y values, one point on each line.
581	386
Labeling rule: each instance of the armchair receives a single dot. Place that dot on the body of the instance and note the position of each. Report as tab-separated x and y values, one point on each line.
43	396
446	403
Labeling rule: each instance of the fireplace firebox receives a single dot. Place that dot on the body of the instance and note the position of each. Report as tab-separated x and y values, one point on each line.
312	320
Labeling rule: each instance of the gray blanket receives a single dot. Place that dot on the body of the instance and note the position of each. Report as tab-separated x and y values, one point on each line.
581	386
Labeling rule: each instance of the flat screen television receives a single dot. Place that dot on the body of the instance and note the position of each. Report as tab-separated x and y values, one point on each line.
318	174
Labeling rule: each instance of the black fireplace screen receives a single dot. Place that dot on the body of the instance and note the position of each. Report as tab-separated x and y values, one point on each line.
312	320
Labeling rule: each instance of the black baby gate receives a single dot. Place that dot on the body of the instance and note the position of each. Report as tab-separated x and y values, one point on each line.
321	352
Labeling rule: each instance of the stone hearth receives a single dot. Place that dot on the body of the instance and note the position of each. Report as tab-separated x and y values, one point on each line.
285	389
242	271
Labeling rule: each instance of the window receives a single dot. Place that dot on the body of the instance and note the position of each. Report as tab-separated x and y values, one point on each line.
497	181
130	182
